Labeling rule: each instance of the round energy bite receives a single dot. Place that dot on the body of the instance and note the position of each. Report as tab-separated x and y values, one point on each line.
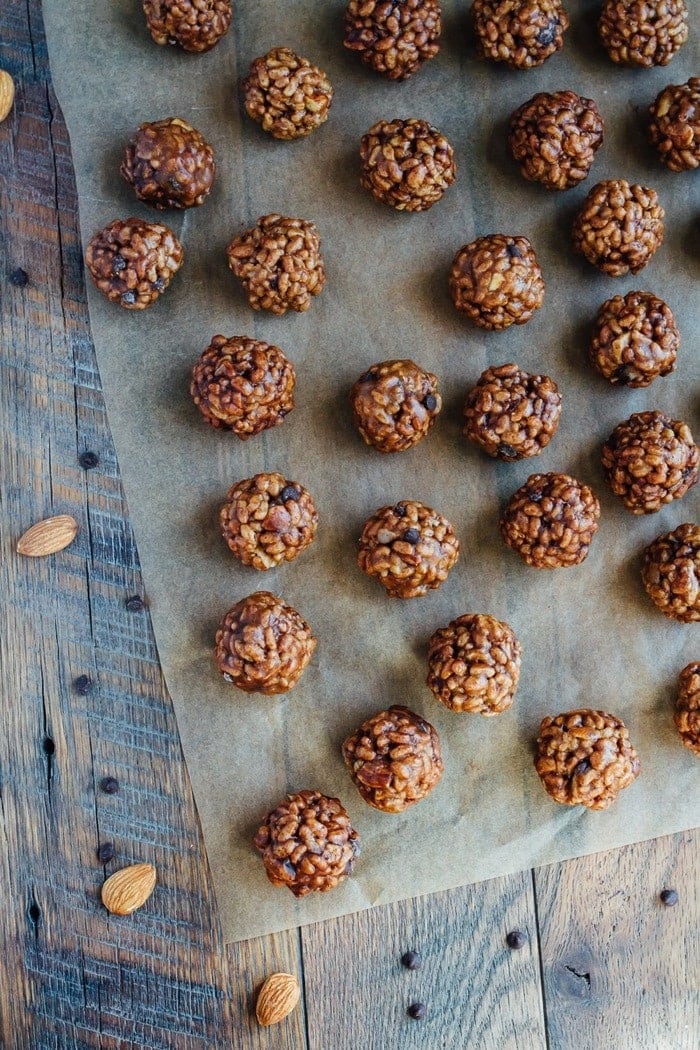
407	164
643	32
194	25
674	128
243	385
132	261
393	37
512	414
635	339
619	227
474	664
394	759
409	548
687	712
286	95
307	843
649	460
496	281
521	33
585	758
279	263
394	405
169	164
263	644
554	137
267	520
550	521
671	573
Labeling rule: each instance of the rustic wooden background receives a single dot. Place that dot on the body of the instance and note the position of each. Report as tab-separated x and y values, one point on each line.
606	965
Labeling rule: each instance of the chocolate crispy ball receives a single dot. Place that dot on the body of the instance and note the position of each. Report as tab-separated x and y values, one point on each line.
394	759
585	758
393	37
496	281
286	95
407	164
635	339
671	573
550	521
643	32
619	227
394	405
132	261
521	33
195	25
409	547
169	164
279	263
263	645
649	460
674	128
243	385
687	713
474	664
308	843
267	520
512	414
554	137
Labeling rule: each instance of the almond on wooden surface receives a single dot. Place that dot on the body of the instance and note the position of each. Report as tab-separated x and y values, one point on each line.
7	94
48	536
278	996
129	888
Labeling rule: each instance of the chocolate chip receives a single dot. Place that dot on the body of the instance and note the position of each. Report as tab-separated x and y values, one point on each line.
88	460
516	939
624	374
411	960
110	785
411	536
129	298
83	684
135	603
118	264
430	402
417	1011
547	35
368	377
581	767
289	492
514	251
19	277
105	852
158	284
506	451
400	510
669	898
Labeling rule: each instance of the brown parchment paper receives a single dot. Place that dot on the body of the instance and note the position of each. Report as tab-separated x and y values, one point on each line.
590	636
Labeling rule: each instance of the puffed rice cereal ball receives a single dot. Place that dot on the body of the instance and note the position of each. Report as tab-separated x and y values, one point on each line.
619	227
169	164
521	33
474	664
554	137
496	281
643	32
687	713
279	263
132	262
550	521
286	95
394	405
674	128
671	573
407	164
393	37
649	460
267	520
194	25
635	339
409	548
511	414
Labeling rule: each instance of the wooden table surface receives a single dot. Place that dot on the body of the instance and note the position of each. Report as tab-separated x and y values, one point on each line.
605	963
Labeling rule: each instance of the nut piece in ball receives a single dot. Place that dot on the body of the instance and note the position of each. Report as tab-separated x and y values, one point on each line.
279	263
194	25
643	32
521	33
674	128
585	758
619	227
671	573
554	138
409	548
132	261
308	843
550	521
267	519
687	713
474	664
394	405
286	95
169	164
393	37
496	281
649	460
243	385
263	645
512	414
407	164
635	339
394	759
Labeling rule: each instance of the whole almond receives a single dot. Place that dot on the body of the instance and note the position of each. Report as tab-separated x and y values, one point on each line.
48	536
7	94
127	889
278	997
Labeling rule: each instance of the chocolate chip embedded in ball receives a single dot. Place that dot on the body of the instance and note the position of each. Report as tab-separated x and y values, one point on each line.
286	95
279	263
643	32
671	573
194	25
263	644
393	37
496	281
407	164
409	548
394	405
550	521
512	414
394	759
635	339
132	262
619	227
674	128
169	164
243	385
585	758
687	712
267	520
307	843
474	664
520	33
649	460
554	138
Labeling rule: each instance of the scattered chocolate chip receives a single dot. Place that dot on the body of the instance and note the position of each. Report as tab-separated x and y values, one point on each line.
367	377
669	898
514	251
135	603
129	297
516	939
105	852
19	277
430	402
83	684
158	284
110	785
289	492
581	767
417	1011
506	451
400	510
118	264
411	960
88	460
547	35
411	536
